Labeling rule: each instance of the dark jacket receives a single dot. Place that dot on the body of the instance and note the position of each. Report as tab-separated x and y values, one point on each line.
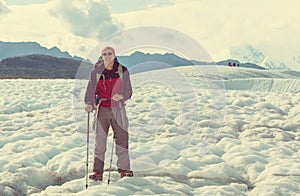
108	84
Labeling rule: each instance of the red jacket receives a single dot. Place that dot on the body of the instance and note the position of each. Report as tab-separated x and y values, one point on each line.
108	84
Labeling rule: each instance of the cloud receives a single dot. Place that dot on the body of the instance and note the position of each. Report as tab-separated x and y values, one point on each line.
134	5
27	2
160	3
3	8
86	18
218	25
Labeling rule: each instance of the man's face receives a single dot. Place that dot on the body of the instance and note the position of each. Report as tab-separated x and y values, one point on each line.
108	56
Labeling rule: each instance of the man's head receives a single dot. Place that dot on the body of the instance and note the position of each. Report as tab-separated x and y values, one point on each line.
108	54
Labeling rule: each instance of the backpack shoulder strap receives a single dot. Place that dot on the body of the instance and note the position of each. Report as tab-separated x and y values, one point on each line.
120	71
97	76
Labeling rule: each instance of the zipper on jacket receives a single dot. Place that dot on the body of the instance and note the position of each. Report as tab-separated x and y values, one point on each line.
110	86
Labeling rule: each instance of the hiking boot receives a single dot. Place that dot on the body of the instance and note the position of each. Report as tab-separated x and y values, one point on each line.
96	176
124	173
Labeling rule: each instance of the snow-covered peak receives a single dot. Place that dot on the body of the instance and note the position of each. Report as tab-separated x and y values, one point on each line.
248	54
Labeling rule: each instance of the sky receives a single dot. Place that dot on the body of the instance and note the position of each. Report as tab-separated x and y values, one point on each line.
77	26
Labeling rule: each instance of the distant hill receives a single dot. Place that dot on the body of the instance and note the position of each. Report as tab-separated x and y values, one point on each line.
247	65
246	56
140	57
40	66
45	66
173	60
14	49
140	62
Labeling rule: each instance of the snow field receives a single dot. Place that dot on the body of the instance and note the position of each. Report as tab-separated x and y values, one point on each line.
43	128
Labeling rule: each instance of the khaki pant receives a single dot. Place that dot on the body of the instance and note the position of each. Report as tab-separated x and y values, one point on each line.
111	117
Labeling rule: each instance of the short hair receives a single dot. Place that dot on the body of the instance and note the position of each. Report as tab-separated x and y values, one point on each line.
109	48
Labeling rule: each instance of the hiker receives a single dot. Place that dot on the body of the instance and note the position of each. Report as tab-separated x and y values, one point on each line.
229	64
108	88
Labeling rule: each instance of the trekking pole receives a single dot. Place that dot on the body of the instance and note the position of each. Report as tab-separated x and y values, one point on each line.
111	158
87	151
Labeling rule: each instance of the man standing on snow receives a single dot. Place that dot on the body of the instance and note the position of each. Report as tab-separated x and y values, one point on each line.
108	89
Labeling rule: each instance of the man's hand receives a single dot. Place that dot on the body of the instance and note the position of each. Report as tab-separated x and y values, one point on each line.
117	97
88	108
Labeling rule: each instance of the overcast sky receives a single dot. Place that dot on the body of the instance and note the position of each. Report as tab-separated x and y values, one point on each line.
79	25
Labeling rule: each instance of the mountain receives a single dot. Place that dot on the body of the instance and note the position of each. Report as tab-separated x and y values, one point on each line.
249	54
45	66
140	57
13	49
170	59
140	62
225	63
42	66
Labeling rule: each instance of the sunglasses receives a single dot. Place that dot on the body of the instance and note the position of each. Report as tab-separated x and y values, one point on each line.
104	54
